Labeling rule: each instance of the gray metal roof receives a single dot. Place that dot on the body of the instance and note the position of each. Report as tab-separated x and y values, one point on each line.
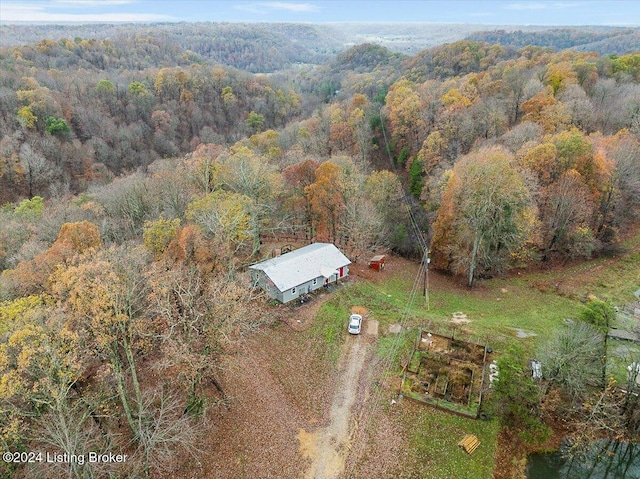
302	265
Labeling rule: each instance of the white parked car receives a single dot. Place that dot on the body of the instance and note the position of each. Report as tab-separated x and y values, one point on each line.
355	324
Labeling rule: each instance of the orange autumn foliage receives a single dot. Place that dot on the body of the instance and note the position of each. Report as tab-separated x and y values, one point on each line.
32	277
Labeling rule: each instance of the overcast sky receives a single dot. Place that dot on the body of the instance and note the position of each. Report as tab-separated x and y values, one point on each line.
496	12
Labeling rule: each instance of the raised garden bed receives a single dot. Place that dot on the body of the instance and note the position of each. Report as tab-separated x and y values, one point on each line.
446	373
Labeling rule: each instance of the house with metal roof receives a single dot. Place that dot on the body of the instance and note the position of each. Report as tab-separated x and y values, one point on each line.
301	271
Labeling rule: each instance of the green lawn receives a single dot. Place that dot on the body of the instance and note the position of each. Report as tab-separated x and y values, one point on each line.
611	279
434	451
494	315
433	435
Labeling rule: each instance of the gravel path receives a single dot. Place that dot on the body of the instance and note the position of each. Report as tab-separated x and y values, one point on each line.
328	448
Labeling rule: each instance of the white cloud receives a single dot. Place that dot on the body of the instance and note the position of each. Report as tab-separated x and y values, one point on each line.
91	3
250	7
21	12
263	8
541	5
292	7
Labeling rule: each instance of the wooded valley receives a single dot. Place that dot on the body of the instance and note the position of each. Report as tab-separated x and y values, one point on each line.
142	170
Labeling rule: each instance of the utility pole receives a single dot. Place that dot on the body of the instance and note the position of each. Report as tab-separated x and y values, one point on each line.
425	265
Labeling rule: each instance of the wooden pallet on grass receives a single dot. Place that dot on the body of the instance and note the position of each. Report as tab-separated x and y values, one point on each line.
469	443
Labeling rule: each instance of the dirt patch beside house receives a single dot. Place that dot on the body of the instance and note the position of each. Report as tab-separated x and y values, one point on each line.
372	327
394	266
362	311
304	315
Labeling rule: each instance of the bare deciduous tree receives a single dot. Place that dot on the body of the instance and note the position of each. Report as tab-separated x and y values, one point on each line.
37	170
572	358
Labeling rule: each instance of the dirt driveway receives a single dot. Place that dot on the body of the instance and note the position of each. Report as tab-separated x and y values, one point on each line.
328	447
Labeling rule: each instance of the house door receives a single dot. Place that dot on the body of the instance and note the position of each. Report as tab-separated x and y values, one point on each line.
341	272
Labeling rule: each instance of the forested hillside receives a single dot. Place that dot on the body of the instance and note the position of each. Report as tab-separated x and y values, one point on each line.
604	41
140	175
250	47
565	125
78	111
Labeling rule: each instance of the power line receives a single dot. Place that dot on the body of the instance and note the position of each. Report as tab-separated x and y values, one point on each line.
405	197
374	402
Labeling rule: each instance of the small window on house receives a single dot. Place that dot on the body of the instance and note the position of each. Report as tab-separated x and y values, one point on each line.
293	290
315	281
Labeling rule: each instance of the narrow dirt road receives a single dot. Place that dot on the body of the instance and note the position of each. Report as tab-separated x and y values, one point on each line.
328	447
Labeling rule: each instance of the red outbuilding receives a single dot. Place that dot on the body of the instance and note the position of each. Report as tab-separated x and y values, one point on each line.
377	262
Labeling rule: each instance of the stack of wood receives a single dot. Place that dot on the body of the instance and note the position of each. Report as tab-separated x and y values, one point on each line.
469	443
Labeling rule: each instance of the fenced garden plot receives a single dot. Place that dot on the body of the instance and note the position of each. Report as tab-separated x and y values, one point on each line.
446	373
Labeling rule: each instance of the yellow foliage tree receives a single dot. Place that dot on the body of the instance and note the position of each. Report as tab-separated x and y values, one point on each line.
39	362
224	217
20	309
453	97
26	117
104	294
404	107
158	234
542	160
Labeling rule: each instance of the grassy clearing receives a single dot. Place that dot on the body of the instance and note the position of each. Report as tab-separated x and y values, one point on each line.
434	451
495	315
331	324
433	435
395	348
611	279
